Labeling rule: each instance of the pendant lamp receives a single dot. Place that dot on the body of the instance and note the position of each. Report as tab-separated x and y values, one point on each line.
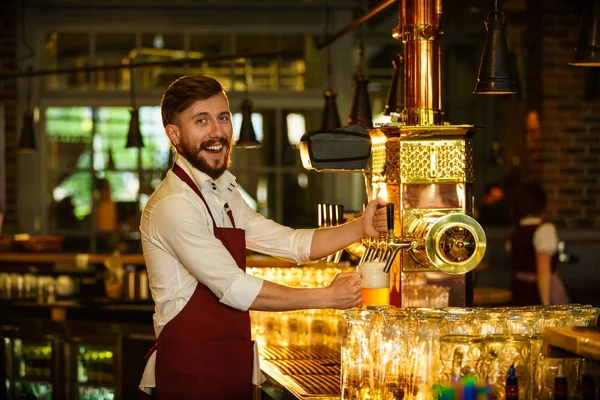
496	72
360	110
27	142
331	116
395	97
110	163
27	139
134	136
587	47
247	138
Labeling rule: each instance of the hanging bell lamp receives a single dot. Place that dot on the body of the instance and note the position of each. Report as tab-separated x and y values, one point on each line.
247	139
360	110
394	103
27	139
496	72
134	136
587	47
331	116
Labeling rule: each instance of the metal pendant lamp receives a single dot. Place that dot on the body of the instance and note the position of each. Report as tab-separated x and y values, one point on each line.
247	138
331	116
394	103
587	47
27	139
110	161
496	71
27	142
134	135
360	110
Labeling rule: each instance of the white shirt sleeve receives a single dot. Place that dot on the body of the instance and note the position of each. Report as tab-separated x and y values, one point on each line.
268	237
184	229
545	239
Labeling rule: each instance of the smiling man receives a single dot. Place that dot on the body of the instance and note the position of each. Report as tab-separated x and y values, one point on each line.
195	231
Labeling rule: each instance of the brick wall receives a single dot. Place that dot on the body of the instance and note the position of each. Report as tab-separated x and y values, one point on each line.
8	97
566	153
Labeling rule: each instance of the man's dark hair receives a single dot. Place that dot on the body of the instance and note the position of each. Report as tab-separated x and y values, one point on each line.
185	91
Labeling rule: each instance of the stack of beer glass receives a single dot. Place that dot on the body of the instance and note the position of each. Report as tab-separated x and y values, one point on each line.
407	353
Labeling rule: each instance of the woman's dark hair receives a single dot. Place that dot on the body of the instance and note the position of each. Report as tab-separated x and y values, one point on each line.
184	91
530	200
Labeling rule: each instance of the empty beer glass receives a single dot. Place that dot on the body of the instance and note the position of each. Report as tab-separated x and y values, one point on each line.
375	288
459	356
500	352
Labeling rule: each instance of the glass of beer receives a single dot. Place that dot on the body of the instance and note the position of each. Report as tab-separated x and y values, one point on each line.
375	288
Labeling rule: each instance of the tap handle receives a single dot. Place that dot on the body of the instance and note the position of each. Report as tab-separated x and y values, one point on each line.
389	208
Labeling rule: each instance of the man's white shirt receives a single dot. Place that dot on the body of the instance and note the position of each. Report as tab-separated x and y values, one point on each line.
180	248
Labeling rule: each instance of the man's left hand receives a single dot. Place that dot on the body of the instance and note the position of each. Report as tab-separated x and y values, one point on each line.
374	221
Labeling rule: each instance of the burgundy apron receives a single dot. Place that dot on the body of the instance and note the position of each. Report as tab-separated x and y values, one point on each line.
206	351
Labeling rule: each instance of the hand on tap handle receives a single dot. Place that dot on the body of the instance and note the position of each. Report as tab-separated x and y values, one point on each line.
375	218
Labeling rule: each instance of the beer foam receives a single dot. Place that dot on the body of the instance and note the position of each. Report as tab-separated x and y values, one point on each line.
373	275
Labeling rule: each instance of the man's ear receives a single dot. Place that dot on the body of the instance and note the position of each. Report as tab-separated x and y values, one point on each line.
173	133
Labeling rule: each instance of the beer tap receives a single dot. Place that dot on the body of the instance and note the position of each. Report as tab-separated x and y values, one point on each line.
391	243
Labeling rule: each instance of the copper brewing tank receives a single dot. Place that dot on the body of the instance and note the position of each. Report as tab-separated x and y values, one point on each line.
425	166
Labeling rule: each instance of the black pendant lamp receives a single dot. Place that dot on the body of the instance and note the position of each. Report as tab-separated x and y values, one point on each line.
27	139
247	139
134	136
395	97
360	110
110	162
587	47
496	71
331	116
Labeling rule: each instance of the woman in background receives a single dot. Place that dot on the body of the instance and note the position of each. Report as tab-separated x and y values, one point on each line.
534	244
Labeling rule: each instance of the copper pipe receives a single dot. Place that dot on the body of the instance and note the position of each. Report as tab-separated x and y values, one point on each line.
419	26
355	24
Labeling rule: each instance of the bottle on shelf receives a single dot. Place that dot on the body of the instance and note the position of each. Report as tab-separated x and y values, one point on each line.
560	385
588	384
511	390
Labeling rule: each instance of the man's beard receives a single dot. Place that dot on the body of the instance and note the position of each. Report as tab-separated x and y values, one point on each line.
192	153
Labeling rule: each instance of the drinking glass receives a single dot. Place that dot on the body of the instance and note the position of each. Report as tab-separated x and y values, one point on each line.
358	367
459	357
500	352
375	287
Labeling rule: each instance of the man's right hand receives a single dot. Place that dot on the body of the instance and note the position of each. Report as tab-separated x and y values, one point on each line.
344	290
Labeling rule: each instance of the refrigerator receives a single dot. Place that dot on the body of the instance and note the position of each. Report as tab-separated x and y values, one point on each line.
29	368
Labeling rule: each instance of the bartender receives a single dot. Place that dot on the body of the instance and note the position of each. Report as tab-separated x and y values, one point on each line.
195	231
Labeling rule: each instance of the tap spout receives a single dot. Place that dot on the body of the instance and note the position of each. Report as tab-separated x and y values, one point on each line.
392	250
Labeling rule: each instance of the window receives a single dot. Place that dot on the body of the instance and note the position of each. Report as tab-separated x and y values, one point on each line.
87	152
87	157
